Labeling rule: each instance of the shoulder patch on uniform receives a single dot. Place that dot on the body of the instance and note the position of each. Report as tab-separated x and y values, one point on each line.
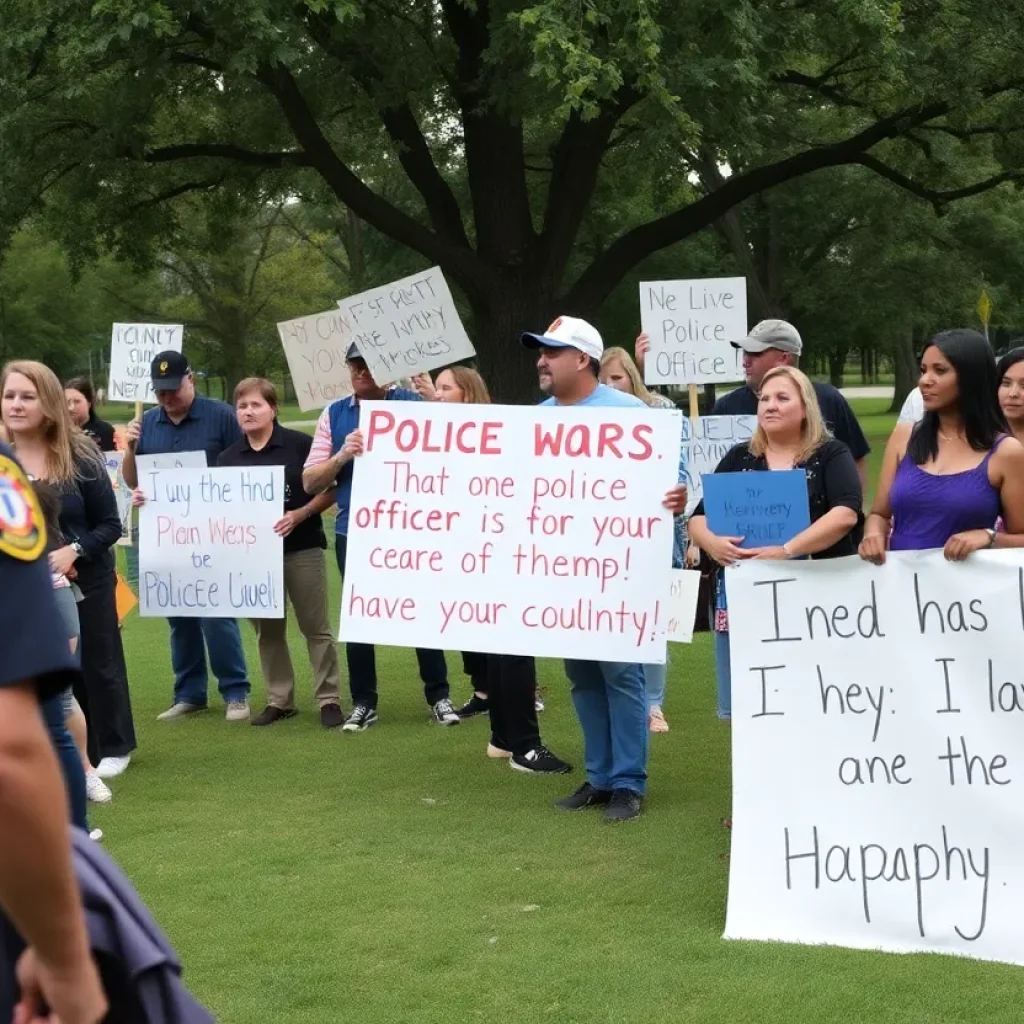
22	528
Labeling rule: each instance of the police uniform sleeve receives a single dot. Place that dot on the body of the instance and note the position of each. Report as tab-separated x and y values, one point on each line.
34	638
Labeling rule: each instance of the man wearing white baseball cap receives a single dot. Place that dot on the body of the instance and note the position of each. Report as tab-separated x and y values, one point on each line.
610	697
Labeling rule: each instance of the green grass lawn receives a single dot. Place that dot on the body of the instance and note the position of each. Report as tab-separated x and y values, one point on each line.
399	875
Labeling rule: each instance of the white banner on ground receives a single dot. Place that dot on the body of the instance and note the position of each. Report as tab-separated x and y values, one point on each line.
535	531
122	495
692	325
170	460
682	605
207	547
315	348
878	755
132	350
407	327
705	442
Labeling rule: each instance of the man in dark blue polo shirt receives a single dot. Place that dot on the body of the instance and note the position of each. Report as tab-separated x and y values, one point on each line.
336	442
186	422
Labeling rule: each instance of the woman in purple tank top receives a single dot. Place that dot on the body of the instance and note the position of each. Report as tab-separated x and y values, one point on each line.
946	480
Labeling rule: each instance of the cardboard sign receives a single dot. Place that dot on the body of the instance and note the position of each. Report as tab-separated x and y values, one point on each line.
315	348
692	325
170	460
765	509
207	546
132	350
878	755
682	605
705	442
535	531
122	494
407	327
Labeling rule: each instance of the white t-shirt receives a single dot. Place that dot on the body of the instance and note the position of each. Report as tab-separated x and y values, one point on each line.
913	408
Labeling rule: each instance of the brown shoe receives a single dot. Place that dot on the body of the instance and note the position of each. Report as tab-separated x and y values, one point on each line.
331	716
269	715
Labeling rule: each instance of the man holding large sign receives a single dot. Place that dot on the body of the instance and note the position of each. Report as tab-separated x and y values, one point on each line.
877	753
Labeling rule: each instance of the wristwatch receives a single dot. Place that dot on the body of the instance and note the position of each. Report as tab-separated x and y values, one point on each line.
77	548
991	537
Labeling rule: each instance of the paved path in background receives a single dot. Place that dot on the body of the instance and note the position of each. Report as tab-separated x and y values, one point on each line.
874	392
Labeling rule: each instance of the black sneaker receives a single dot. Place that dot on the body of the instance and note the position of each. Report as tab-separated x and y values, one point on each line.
585	796
540	761
361	718
624	806
331	716
473	707
445	714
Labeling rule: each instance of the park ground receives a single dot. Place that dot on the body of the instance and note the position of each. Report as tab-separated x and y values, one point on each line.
398	875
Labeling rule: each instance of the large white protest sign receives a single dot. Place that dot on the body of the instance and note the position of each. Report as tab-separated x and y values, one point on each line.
169	460
692	325
315	348
407	327
705	442
878	754
207	547
132	350
512	530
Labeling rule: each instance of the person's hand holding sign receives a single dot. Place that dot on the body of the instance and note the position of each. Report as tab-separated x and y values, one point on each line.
424	387
960	545
675	500
872	549
138	497
62	561
132	434
724	550
287	523
643	346
777	552
352	447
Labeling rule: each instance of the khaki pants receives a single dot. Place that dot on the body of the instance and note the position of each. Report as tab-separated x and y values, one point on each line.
305	585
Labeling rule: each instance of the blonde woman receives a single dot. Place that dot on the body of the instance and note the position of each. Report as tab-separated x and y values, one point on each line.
50	448
790	434
620	372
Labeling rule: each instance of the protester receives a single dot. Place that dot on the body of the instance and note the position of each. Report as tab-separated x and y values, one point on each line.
507	686
778	343
336	443
185	422
609	697
790	434
53	450
267	443
620	372
1010	375
37	886
945	480
81	405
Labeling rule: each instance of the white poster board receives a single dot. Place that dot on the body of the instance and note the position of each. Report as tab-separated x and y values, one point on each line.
132	350
315	348
407	327
705	442
682	605
207	547
878	754
122	495
169	460
507	530
692	325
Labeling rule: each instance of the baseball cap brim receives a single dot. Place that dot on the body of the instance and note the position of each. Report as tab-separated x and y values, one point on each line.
543	341
167	383
753	346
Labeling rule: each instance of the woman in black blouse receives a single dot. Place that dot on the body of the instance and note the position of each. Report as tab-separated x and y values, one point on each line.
790	435
81	401
51	448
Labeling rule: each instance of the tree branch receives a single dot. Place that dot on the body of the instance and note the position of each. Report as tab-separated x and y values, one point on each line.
176	192
226	151
310	241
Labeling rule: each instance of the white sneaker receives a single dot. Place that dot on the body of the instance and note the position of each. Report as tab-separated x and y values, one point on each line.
111	767
180	710
97	791
238	711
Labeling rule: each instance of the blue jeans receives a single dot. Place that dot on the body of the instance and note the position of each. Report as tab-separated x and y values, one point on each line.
188	658
70	759
654	683
723	670
611	704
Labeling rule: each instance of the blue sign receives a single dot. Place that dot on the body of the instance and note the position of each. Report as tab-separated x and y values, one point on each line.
765	509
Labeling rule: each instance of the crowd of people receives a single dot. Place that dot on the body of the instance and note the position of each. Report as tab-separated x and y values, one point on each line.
952	477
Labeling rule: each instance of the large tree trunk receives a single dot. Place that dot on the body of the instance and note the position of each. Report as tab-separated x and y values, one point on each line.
905	363
836	366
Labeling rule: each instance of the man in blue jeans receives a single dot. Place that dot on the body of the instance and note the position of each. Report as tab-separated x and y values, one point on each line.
610	697
186	422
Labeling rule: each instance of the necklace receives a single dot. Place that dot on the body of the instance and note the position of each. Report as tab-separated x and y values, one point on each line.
958	437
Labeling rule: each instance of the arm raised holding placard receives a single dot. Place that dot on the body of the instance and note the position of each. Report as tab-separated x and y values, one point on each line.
322	467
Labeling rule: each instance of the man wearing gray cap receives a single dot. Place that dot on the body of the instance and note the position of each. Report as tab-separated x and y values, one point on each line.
777	343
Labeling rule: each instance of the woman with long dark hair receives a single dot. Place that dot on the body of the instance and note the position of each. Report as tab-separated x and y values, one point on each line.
52	449
1010	377
82	407
946	479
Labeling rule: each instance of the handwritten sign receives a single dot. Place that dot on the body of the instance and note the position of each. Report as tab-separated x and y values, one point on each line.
705	442
512	530
764	509
692	325
170	460
122	495
682	605
407	327
132	350
207	547
878	756
315	348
